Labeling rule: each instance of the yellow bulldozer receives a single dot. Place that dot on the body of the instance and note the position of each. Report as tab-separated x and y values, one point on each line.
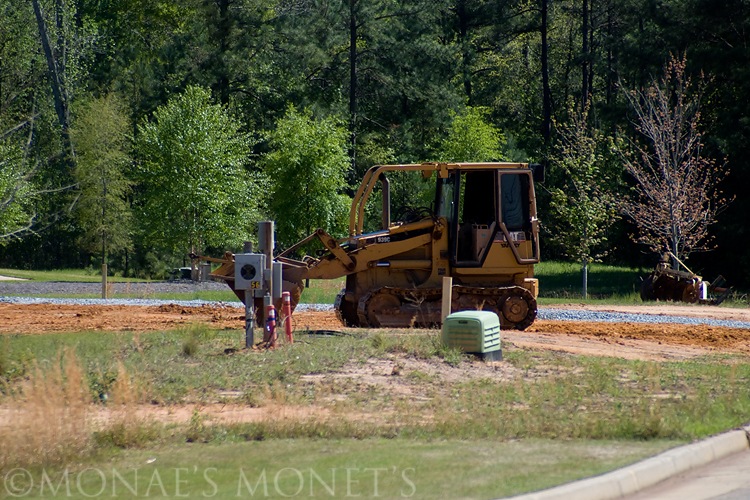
481	229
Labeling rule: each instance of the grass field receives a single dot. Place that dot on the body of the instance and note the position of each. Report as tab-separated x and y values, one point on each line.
75	275
544	418
558	282
345	468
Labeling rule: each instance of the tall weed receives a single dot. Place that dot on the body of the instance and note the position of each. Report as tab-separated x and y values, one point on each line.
51	418
47	422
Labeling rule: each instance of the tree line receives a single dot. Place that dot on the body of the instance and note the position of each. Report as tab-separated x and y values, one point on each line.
136	131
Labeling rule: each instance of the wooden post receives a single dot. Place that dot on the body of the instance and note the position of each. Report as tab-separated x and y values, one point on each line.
447	297
104	280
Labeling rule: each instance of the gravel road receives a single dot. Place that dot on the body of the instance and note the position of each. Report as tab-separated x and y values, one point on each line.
32	288
24	292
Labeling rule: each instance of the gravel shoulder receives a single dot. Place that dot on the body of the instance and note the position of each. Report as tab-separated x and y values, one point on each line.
35	288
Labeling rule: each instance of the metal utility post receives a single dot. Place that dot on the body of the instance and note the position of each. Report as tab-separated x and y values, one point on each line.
266	244
104	281
266	241
247	247
249	319
254	273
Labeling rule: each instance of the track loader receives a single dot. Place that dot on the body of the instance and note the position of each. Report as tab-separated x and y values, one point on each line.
481	229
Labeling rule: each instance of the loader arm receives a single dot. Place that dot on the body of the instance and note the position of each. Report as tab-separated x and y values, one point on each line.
369	250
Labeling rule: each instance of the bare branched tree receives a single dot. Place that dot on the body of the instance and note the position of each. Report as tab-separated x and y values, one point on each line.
676	195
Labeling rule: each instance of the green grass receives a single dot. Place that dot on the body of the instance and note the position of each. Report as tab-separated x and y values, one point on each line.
562	281
206	295
339	468
559	282
75	275
543	419
322	291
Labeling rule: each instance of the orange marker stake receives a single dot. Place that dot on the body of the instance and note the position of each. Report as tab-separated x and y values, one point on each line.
287	298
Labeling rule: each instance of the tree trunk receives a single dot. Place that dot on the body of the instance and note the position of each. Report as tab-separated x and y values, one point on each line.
463	33
353	85
585	54
546	92
585	273
58	89
223	33
104	280
610	58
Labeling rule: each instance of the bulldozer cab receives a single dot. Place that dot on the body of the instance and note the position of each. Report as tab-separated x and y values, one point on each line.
489	208
485	207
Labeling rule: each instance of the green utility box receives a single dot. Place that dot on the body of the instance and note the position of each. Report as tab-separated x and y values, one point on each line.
475	332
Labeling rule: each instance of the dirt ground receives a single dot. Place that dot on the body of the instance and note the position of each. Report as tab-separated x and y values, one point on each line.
627	340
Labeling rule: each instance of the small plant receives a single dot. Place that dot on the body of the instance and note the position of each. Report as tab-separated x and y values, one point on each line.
378	342
12	369
100	383
195	334
4	358
451	355
196	429
190	346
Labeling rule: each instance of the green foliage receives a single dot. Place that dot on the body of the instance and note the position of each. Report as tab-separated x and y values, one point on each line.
472	138
17	195
581	207
101	142
195	190
306	168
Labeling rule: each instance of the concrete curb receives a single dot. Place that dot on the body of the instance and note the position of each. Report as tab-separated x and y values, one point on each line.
641	475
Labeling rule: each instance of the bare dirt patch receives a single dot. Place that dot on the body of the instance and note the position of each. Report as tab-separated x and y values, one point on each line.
658	341
55	318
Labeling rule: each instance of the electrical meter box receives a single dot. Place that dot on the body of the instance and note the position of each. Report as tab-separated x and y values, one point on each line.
249	269
475	332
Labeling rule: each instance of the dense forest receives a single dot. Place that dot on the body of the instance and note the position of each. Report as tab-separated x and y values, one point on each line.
136	131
